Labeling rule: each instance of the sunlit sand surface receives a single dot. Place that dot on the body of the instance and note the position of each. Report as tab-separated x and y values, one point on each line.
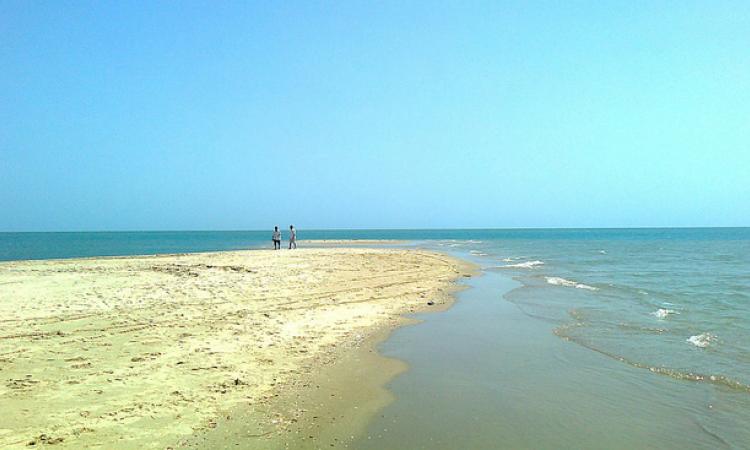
140	352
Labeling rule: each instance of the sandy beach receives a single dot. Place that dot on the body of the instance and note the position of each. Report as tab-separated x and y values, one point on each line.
149	352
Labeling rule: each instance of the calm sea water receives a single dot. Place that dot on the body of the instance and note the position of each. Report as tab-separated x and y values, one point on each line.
21	246
667	309
676	302
615	339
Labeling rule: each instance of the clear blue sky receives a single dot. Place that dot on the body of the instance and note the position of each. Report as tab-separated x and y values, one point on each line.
222	115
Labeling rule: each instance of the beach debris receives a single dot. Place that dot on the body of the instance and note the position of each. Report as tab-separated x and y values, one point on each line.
21	383
46	440
191	270
430	303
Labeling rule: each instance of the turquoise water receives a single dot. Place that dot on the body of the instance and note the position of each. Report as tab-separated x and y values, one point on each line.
485	375
640	336
674	302
607	339
19	246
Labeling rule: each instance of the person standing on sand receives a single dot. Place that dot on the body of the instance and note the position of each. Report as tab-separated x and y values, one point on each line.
292	237
276	238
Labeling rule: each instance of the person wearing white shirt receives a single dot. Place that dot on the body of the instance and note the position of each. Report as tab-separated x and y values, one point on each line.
292	237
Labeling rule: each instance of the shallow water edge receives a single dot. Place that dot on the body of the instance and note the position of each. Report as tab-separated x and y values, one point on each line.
330	408
486	375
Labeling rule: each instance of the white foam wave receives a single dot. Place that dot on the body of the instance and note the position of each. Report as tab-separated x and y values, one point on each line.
523	265
557	281
662	313
702	340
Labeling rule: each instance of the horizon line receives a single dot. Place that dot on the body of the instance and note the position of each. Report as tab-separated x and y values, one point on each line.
386	229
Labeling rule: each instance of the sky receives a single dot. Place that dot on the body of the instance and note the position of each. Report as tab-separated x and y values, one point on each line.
242	115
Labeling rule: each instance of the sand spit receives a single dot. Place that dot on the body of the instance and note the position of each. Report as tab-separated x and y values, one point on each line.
350	242
141	352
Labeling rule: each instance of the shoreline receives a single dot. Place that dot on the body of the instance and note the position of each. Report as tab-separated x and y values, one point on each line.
333	407
330	407
382	285
518	373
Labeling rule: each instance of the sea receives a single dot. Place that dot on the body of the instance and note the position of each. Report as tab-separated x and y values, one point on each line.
570	338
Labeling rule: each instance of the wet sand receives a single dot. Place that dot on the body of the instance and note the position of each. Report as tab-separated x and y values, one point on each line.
155	351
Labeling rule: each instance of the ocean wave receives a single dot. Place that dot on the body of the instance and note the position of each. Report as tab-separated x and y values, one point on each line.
702	340
717	379
641	328
450	243
522	265
477	253
557	281
662	313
